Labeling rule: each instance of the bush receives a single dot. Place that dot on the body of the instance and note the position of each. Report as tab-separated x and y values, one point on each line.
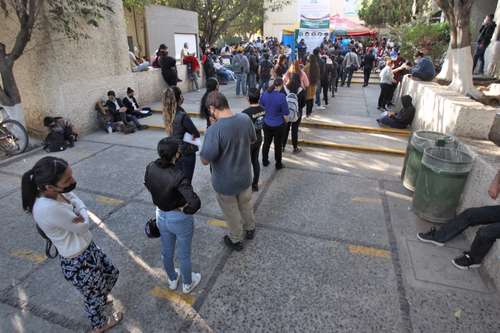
431	38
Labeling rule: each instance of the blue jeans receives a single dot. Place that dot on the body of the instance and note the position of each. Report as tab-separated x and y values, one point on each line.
264	84
252	80
241	83
176	226
318	94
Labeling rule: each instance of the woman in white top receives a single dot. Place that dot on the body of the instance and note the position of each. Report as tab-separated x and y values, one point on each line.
63	218
387	84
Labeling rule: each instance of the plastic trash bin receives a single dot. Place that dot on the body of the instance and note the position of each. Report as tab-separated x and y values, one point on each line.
440	183
416	144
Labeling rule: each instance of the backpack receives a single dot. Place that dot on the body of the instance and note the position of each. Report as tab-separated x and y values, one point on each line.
259	123
293	107
265	68
48	244
237	64
254	65
54	142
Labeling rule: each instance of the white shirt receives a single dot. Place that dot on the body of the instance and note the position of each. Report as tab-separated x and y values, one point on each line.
386	75
55	218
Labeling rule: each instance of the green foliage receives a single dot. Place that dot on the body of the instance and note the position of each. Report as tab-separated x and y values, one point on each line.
386	12
433	38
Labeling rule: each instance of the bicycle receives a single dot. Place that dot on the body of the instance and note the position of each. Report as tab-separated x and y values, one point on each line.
13	136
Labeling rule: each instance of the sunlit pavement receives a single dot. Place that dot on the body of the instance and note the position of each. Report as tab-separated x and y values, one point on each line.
335	249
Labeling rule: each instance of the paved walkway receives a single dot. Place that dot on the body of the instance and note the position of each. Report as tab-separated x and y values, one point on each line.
335	249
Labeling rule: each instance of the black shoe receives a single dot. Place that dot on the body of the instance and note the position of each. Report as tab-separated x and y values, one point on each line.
465	262
279	166
142	127
429	237
250	234
255	188
265	163
296	150
233	246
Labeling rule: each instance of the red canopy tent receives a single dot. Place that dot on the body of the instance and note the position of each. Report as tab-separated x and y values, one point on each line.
343	26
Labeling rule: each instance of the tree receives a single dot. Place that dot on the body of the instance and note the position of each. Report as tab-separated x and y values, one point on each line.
64	16
457	67
386	12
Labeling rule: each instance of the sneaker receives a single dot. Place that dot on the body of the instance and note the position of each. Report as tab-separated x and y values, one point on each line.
195	281
172	285
320	108
429	237
250	234
465	262
255	188
279	166
233	246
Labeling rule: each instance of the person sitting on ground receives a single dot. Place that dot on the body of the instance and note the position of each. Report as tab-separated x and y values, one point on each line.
485	236
133	107
61	134
401	119
424	68
119	112
176	202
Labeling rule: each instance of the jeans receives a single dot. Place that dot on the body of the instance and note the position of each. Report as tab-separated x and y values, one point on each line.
141	67
385	93
175	226
423	76
367	71
479	56
252	80
224	74
264	84
254	154
485	236
187	164
241	83
295	133
238	212
318	94
271	134
348	71
194	79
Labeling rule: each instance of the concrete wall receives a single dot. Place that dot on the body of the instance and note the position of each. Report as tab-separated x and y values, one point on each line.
136	28
162	23
442	110
62	77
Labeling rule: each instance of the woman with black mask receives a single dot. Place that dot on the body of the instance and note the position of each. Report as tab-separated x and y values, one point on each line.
63	218
176	203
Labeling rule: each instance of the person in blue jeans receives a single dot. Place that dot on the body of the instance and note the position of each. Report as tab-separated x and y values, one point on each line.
176	202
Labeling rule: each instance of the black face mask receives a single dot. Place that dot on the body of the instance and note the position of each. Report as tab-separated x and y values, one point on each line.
69	188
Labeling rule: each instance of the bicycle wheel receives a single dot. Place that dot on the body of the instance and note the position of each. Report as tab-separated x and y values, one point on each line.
13	137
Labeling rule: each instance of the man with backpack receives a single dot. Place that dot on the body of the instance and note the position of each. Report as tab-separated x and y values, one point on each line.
265	69
241	67
350	64
253	68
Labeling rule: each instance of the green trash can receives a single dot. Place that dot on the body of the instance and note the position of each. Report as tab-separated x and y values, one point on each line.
440	183
417	142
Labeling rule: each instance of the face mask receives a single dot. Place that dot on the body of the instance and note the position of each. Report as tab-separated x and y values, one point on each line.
69	188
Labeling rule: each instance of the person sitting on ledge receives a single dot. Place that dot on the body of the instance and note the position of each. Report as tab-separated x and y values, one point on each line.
424	68
119	112
401	119
133	107
485	236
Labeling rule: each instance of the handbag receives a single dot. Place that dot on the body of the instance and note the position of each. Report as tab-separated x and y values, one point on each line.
151	229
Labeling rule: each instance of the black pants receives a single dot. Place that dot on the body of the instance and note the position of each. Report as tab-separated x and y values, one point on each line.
367	71
347	74
187	164
333	84
340	74
324	86
385	94
391	96
254	154
309	107
273	134
295	133
485	236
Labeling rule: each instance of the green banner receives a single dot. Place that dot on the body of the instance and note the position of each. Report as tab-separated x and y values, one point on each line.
322	23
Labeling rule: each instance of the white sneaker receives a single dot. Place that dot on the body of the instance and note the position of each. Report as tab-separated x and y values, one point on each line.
320	108
195	281
172	285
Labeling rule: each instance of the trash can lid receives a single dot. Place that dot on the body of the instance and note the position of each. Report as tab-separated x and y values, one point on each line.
423	139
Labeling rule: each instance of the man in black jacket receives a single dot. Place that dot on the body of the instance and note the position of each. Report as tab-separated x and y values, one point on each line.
119	111
133	107
403	118
169	69
484	39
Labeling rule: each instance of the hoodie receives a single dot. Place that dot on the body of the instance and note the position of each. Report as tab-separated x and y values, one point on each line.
407	113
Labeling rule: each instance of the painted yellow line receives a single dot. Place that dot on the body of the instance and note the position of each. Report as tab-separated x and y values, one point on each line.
218	223
364	149
366	200
368	251
172	296
29	255
108	200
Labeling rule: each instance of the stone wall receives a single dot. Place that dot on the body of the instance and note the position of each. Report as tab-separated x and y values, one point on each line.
57	76
442	110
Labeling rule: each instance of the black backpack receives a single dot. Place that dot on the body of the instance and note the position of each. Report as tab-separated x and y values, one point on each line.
254	64
54	142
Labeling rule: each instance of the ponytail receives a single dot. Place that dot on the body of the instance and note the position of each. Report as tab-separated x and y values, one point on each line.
47	171
276	83
29	190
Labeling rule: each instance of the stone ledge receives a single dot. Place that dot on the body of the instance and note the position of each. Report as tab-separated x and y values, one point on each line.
442	110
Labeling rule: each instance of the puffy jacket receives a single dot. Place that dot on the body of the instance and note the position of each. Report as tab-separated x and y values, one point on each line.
170	189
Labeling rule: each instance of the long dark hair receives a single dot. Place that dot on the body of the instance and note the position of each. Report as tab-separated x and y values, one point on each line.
211	86
276	83
47	171
294	84
313	68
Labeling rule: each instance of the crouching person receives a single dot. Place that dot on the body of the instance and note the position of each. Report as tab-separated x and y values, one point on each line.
176	203
401	119
63	218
